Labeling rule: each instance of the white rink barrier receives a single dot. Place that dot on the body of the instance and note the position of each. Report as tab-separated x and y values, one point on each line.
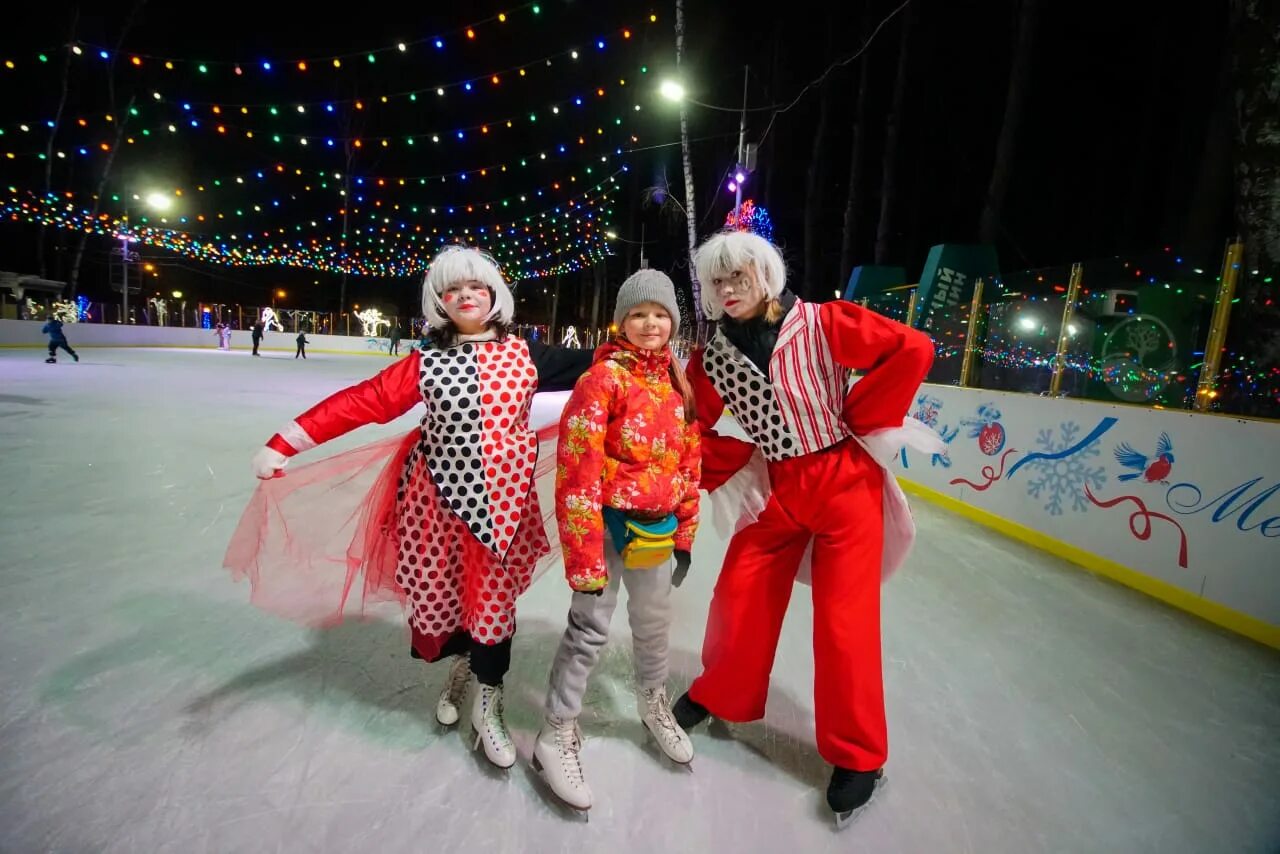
1182	506
26	333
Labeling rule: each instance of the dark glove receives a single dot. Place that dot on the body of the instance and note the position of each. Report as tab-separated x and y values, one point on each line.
683	559
599	592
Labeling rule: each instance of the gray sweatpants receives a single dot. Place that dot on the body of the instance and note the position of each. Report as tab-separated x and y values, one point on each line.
649	610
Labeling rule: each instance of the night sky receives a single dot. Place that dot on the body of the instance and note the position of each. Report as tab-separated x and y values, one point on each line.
1120	103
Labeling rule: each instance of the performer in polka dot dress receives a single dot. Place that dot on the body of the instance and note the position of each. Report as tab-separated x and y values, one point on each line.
468	529
783	368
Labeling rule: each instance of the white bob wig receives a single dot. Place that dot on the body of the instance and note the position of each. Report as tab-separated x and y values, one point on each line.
458	264
736	250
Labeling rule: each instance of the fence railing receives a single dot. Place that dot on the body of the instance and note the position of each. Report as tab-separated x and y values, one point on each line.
1150	330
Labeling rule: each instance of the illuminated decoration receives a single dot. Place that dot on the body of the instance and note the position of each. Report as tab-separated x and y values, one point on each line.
320	180
371	319
1139	358
82	308
308	67
162	126
750	218
67	312
570	338
162	310
301	64
269	319
554	241
361	224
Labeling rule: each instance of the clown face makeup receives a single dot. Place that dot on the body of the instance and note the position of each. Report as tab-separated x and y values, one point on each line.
741	273
465	272
467	303
740	293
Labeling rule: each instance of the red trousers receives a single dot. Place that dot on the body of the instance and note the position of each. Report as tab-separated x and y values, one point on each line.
834	497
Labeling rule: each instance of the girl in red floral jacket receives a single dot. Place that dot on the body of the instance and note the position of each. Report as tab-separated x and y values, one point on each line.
626	487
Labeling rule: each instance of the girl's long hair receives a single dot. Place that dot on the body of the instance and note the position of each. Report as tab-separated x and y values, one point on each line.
680	381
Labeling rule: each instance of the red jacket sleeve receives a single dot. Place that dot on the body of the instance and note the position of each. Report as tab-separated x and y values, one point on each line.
580	464
722	456
690	474
377	400
893	358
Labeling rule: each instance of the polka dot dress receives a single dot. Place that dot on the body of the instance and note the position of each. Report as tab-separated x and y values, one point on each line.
749	395
470	525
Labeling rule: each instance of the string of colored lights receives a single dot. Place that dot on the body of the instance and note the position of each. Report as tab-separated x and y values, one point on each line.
567	149
438	41
474	83
241	209
328	256
332	255
321	139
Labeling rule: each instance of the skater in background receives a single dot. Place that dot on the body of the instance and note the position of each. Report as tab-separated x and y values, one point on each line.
783	367
302	346
257	336
394	344
453	527
57	338
626	509
224	336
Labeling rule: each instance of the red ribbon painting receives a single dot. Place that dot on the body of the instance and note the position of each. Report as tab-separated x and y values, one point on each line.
987	472
1142	513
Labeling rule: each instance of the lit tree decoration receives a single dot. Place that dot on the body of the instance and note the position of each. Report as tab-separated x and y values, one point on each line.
750	218
371	318
162	309
67	312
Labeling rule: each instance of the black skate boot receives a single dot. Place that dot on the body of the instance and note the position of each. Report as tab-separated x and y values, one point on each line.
688	713
850	792
51	361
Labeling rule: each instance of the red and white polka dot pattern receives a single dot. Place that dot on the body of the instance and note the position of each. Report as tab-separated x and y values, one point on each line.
510	451
463	567
452	581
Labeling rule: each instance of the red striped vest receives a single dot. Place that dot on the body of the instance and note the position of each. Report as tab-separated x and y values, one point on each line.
796	409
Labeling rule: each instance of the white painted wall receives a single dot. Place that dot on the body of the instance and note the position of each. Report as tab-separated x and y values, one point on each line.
1222	491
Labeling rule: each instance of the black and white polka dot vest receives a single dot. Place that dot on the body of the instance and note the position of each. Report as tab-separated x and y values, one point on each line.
749	395
476	439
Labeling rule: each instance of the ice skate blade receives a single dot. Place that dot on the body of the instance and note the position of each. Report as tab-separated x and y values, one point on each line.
844	819
663	753
476	746
585	812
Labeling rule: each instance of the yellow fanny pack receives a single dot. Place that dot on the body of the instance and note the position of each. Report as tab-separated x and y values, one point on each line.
642	543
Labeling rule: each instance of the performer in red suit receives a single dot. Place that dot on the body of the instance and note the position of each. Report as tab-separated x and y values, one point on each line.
783	368
453	530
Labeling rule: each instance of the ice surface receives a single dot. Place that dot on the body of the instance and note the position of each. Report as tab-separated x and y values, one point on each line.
146	706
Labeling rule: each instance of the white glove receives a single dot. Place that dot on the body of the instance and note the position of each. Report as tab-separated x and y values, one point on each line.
269	463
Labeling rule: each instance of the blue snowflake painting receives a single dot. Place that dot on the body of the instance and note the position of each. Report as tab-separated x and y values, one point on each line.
1060	479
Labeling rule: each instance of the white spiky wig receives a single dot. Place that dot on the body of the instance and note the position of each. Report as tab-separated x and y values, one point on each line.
735	250
456	264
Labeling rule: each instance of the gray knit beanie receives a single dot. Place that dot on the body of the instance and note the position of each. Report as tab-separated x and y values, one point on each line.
647	286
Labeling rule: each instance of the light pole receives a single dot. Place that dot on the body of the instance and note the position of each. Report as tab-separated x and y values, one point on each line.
673	91
742	140
155	201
